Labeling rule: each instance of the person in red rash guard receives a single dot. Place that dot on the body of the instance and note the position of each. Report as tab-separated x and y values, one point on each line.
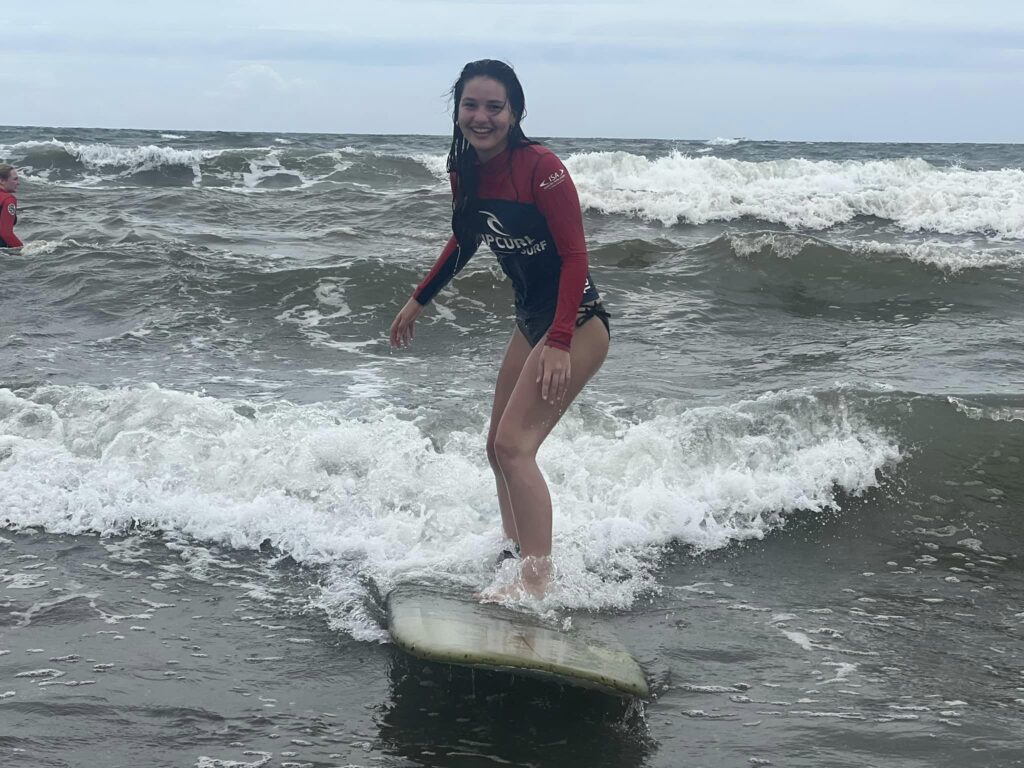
9	181
516	197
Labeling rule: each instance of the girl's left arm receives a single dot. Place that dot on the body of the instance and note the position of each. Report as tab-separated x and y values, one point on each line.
557	199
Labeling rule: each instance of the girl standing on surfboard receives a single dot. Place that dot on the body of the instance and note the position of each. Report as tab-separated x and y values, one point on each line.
516	197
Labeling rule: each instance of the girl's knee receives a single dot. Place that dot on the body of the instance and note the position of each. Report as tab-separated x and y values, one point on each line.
508	448
492	456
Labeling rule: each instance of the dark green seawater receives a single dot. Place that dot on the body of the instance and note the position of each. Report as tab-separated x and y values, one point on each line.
794	491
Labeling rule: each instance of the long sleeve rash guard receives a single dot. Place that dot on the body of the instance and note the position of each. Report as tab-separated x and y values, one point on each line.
528	214
8	218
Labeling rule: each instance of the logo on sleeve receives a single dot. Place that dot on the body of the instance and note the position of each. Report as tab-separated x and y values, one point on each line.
554	179
12	210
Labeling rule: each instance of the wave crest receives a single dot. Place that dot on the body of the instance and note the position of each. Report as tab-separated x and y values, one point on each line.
798	193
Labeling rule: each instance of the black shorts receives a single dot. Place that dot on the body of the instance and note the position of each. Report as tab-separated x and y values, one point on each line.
534	327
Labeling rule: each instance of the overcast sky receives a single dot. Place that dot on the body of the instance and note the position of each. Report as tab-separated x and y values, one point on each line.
857	70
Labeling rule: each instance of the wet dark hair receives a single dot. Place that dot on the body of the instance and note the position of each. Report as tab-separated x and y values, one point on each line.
5	171
462	158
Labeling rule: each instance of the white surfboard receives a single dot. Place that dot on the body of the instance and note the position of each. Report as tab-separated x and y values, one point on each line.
441	625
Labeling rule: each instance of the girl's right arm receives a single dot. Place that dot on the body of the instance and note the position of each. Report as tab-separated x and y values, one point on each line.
452	259
402	329
445	268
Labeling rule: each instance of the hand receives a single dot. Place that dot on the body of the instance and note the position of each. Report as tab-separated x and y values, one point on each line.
553	373
402	326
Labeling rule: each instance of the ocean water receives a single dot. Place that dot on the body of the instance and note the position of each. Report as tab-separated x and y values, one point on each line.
794	491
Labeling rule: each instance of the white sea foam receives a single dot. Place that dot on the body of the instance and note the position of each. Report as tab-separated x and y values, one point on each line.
674	189
722	141
436	164
268	166
785	245
330	293
47	673
21	581
41	247
842	672
802	193
950	257
983	413
172	136
262	758
371	496
109	162
136	157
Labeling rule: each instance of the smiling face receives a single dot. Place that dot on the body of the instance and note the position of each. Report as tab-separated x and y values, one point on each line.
485	116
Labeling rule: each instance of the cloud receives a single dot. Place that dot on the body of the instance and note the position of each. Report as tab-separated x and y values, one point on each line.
642	68
260	79
595	36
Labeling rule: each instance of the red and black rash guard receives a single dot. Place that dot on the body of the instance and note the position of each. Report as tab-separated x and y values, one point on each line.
528	213
8	218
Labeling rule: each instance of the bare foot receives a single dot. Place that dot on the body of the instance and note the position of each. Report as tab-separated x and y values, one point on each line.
535	575
510	593
531	581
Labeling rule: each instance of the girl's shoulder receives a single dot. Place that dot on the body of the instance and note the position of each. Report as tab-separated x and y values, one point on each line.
538	158
536	152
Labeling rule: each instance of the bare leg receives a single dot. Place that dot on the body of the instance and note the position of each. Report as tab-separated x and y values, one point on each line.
516	352
524	424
